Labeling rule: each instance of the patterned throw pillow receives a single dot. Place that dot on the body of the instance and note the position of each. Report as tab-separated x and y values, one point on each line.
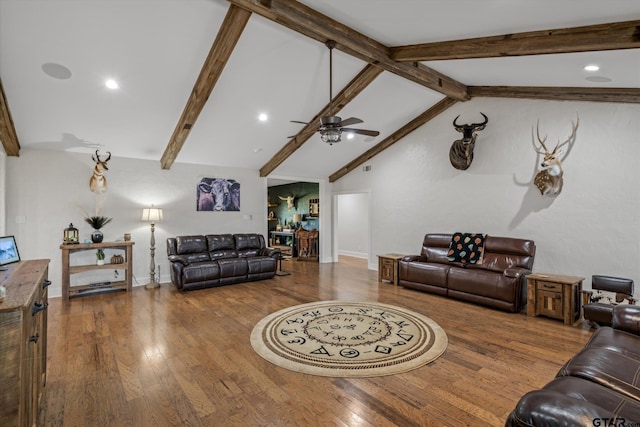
466	248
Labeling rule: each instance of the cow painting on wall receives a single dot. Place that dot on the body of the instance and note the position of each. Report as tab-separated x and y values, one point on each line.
218	194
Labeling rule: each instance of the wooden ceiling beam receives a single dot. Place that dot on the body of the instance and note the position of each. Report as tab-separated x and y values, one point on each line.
595	94
393	138
355	86
8	135
610	36
228	35
311	23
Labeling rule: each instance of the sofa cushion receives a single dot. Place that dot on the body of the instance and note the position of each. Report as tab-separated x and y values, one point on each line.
191	245
435	248
249	245
261	264
483	283
201	272
421	272
233	267
221	246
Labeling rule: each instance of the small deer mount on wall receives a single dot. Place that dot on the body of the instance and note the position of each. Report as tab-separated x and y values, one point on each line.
461	151
549	179
97	182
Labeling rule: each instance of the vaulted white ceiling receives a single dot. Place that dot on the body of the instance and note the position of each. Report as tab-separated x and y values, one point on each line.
155	50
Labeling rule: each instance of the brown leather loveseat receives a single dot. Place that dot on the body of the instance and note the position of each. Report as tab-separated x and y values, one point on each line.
499	281
599	386
206	261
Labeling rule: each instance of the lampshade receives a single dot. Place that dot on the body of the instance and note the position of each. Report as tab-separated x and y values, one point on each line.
297	217
151	214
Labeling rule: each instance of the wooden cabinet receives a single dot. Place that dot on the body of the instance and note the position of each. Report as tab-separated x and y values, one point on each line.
388	267
23	341
68	269
554	296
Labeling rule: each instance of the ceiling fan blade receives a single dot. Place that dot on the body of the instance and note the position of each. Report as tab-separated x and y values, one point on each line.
298	121
361	131
350	121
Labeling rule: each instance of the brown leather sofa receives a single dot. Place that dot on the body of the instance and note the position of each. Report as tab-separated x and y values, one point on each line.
599	386
206	261
499	281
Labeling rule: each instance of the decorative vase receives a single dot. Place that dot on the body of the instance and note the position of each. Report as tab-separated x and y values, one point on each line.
97	236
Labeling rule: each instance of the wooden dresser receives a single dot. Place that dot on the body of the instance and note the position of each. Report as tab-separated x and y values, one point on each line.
23	341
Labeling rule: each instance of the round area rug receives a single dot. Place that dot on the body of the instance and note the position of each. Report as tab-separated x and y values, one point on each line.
348	339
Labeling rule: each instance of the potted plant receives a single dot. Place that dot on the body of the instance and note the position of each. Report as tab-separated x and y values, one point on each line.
100	257
97	222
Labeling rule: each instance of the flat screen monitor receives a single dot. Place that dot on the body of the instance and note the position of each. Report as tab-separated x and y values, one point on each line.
8	250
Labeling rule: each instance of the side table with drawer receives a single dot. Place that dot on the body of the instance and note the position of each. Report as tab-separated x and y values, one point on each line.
554	295
388	267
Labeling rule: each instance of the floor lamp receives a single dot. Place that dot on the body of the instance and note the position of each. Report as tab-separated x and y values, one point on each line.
152	215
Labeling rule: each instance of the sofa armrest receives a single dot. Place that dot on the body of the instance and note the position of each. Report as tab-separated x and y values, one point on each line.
272	252
411	258
179	259
515	272
626	318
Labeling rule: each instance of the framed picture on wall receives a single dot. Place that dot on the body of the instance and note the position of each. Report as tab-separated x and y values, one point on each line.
314	207
218	195
8	250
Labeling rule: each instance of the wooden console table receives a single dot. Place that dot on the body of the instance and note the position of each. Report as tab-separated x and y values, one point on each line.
23	341
68	269
388	267
555	296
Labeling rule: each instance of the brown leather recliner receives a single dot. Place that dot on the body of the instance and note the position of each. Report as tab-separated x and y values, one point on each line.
597	385
596	308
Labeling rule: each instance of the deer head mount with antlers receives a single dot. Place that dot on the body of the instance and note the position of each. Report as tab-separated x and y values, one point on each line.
549	179
97	182
461	151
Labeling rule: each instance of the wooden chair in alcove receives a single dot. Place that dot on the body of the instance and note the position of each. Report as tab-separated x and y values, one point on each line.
607	291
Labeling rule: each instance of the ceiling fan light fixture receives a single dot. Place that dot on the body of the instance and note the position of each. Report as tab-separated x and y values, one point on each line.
331	136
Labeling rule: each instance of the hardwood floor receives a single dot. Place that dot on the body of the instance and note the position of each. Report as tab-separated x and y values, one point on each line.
163	358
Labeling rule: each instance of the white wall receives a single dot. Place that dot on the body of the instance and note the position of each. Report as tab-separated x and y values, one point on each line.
51	189
353	225
592	227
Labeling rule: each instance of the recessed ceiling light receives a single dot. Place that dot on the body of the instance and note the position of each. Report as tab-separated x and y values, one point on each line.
591	67
111	84
257	150
350	136
263	117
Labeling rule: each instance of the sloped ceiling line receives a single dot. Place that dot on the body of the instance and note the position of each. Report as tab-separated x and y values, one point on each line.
8	135
311	23
612	36
228	35
346	95
393	138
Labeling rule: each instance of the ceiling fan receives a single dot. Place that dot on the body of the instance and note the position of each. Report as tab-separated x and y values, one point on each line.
331	127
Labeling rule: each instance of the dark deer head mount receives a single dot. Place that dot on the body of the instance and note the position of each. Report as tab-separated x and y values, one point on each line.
461	152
